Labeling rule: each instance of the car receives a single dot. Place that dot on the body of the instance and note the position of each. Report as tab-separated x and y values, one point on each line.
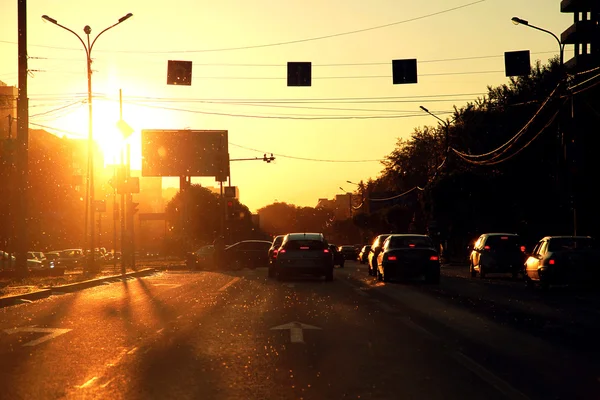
363	255
497	253
247	253
274	248
563	260
374	253
9	262
348	251
408	256
202	258
303	253
338	258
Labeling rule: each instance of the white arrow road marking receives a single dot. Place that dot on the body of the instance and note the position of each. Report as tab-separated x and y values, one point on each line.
296	330
51	333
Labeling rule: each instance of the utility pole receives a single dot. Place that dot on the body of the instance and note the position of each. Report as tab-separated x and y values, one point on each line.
22	170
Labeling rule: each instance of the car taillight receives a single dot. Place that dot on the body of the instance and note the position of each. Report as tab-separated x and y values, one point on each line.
551	262
325	250
282	251
392	258
275	252
523	249
487	247
411	245
434	258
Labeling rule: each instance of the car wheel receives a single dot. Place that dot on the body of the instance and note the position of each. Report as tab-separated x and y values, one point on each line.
481	272
433	278
342	264
472	271
529	284
329	275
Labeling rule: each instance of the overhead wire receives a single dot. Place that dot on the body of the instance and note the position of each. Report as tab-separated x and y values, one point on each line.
284	43
497	152
489	162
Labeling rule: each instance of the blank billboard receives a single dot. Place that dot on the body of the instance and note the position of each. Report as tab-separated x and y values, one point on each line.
185	153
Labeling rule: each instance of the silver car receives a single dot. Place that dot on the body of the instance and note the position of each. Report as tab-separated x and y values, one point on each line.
303	253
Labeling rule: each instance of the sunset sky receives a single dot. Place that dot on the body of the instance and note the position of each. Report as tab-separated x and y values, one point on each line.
239	51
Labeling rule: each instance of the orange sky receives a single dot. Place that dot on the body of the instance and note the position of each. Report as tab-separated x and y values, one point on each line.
239	81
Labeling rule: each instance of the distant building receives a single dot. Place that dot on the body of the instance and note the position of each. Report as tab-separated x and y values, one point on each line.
341	205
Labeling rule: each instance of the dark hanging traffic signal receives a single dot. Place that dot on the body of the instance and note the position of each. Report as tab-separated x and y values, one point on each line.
517	63
299	73
230	210
404	71
179	73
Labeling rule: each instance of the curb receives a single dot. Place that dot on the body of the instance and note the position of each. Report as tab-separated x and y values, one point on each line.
69	288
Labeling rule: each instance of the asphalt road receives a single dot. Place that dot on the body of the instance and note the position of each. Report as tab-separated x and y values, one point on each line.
239	335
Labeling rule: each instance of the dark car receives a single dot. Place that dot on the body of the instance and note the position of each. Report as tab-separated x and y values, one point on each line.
563	260
338	258
348	251
363	255
497	253
247	253
374	253
274	248
408	256
303	253
202	258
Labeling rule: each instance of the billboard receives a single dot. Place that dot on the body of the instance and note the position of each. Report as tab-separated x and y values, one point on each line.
185	153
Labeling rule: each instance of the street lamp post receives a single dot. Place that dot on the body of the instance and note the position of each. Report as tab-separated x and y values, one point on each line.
90	192
561	45
560	138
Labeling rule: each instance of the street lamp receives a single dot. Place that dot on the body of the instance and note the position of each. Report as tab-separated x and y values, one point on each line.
446	126
561	48
90	192
561	45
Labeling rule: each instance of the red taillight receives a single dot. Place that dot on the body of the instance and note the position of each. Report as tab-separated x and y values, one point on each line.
275	252
434	258
392	258
523	249
551	262
487	247
282	251
325	250
411	245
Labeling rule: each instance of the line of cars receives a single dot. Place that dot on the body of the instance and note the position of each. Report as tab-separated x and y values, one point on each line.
553	260
290	254
402	256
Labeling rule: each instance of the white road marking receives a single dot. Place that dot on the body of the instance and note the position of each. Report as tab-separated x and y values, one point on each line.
107	383
51	333
160	330
88	383
132	350
296	330
24	301
231	282
500	384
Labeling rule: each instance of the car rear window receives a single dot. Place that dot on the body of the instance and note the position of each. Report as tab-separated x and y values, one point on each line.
505	242
305	245
558	244
410	241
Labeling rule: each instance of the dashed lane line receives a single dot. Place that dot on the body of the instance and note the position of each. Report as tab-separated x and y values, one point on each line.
231	282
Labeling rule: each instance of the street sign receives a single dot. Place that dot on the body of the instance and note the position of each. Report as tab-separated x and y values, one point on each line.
125	129
296	330
229	192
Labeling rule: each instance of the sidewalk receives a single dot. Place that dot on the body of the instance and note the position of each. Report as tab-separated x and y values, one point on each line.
14	287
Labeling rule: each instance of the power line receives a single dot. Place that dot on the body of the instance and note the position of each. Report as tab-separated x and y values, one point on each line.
317	65
291	41
303	158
